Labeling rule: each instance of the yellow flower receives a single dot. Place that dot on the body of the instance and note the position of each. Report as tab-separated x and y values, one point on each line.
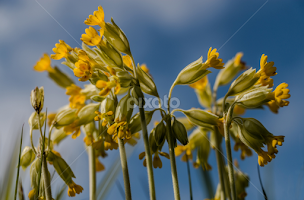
120	130
106	86
133	140
179	150
44	64
265	80
74	188
82	55
31	194
128	62
61	50
200	84
279	94
156	159
267	68
50	118
238	60
245	151
98	165
106	117
96	19
213	60
83	70
264	158
110	145
77	100
239	110
73	129
91	37
273	106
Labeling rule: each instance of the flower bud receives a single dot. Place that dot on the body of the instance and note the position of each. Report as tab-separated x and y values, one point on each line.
135	122
138	96
125	78
109	55
180	131
65	117
37	99
243	83
33	120
98	75
87	113
124	109
185	121
147	84
192	73
152	142
160	133
254	98
204	96
58	135
108	105
27	157
60	78
97	98
201	117
116	37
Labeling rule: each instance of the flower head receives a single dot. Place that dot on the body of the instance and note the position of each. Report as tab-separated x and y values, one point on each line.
83	70
91	38
106	86
77	99
106	117
44	64
213	60
73	189
61	50
267	68
280	94
120	130
96	19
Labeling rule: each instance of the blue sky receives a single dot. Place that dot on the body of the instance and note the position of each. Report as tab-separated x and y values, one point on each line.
166	35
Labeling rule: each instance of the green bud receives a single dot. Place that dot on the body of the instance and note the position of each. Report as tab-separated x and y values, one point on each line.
204	96
192	73
124	108
109	55
152	142
58	135
87	113
116	37
185	121
180	131
107	105
60	78
202	118
98	75
61	167
27	157
243	83
97	98
147	84
254	98
37	99
160	133
125	78
65	117
33	120
135	122
138	96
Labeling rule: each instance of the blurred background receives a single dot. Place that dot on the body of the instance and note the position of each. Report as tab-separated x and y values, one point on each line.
166	35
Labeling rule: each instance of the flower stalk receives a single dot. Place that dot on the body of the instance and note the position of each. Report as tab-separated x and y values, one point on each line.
92	172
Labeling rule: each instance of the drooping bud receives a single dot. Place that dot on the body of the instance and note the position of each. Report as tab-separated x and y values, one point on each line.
116	37
107	105
58	135
27	157
65	117
109	55
254	98
160	133
124	109
37	99
87	113
201	117
33	120
180	131
146	82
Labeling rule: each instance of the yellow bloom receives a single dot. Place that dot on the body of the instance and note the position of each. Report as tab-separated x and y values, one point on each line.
200	84
61	50
82	55
73	129
96	19
83	70
73	189
106	86
239	110
110	145
44	64
120	130
106	117
279	94
98	165
50	118
185	150
213	60
91	37
265	80
133	140
273	106
238	60
31	194
128	62
264	158
156	159
267	68
77	100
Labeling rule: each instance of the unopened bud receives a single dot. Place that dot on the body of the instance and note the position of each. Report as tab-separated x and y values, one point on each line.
87	113
160	133
37	99
33	120
65	117
109	55
254	97
180	132
147	84
27	157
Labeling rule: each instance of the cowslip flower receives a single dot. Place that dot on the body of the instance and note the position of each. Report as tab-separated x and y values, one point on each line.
156	159
238	61
73	129
200	84
279	94
106	117
245	151
77	99
128	62
44	64
213	60
92	38
98	165
120	130
267	68
61	50
106	86
73	189
96	19
83	70
185	150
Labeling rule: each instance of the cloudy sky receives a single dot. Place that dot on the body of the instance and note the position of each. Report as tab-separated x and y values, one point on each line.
166	35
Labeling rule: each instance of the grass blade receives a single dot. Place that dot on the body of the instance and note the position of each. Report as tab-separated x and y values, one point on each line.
18	169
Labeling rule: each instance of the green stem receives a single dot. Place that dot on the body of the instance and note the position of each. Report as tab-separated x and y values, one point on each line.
124	166
229	155
146	142
18	167
92	172
189	178
32	144
49	139
169	96
172	159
